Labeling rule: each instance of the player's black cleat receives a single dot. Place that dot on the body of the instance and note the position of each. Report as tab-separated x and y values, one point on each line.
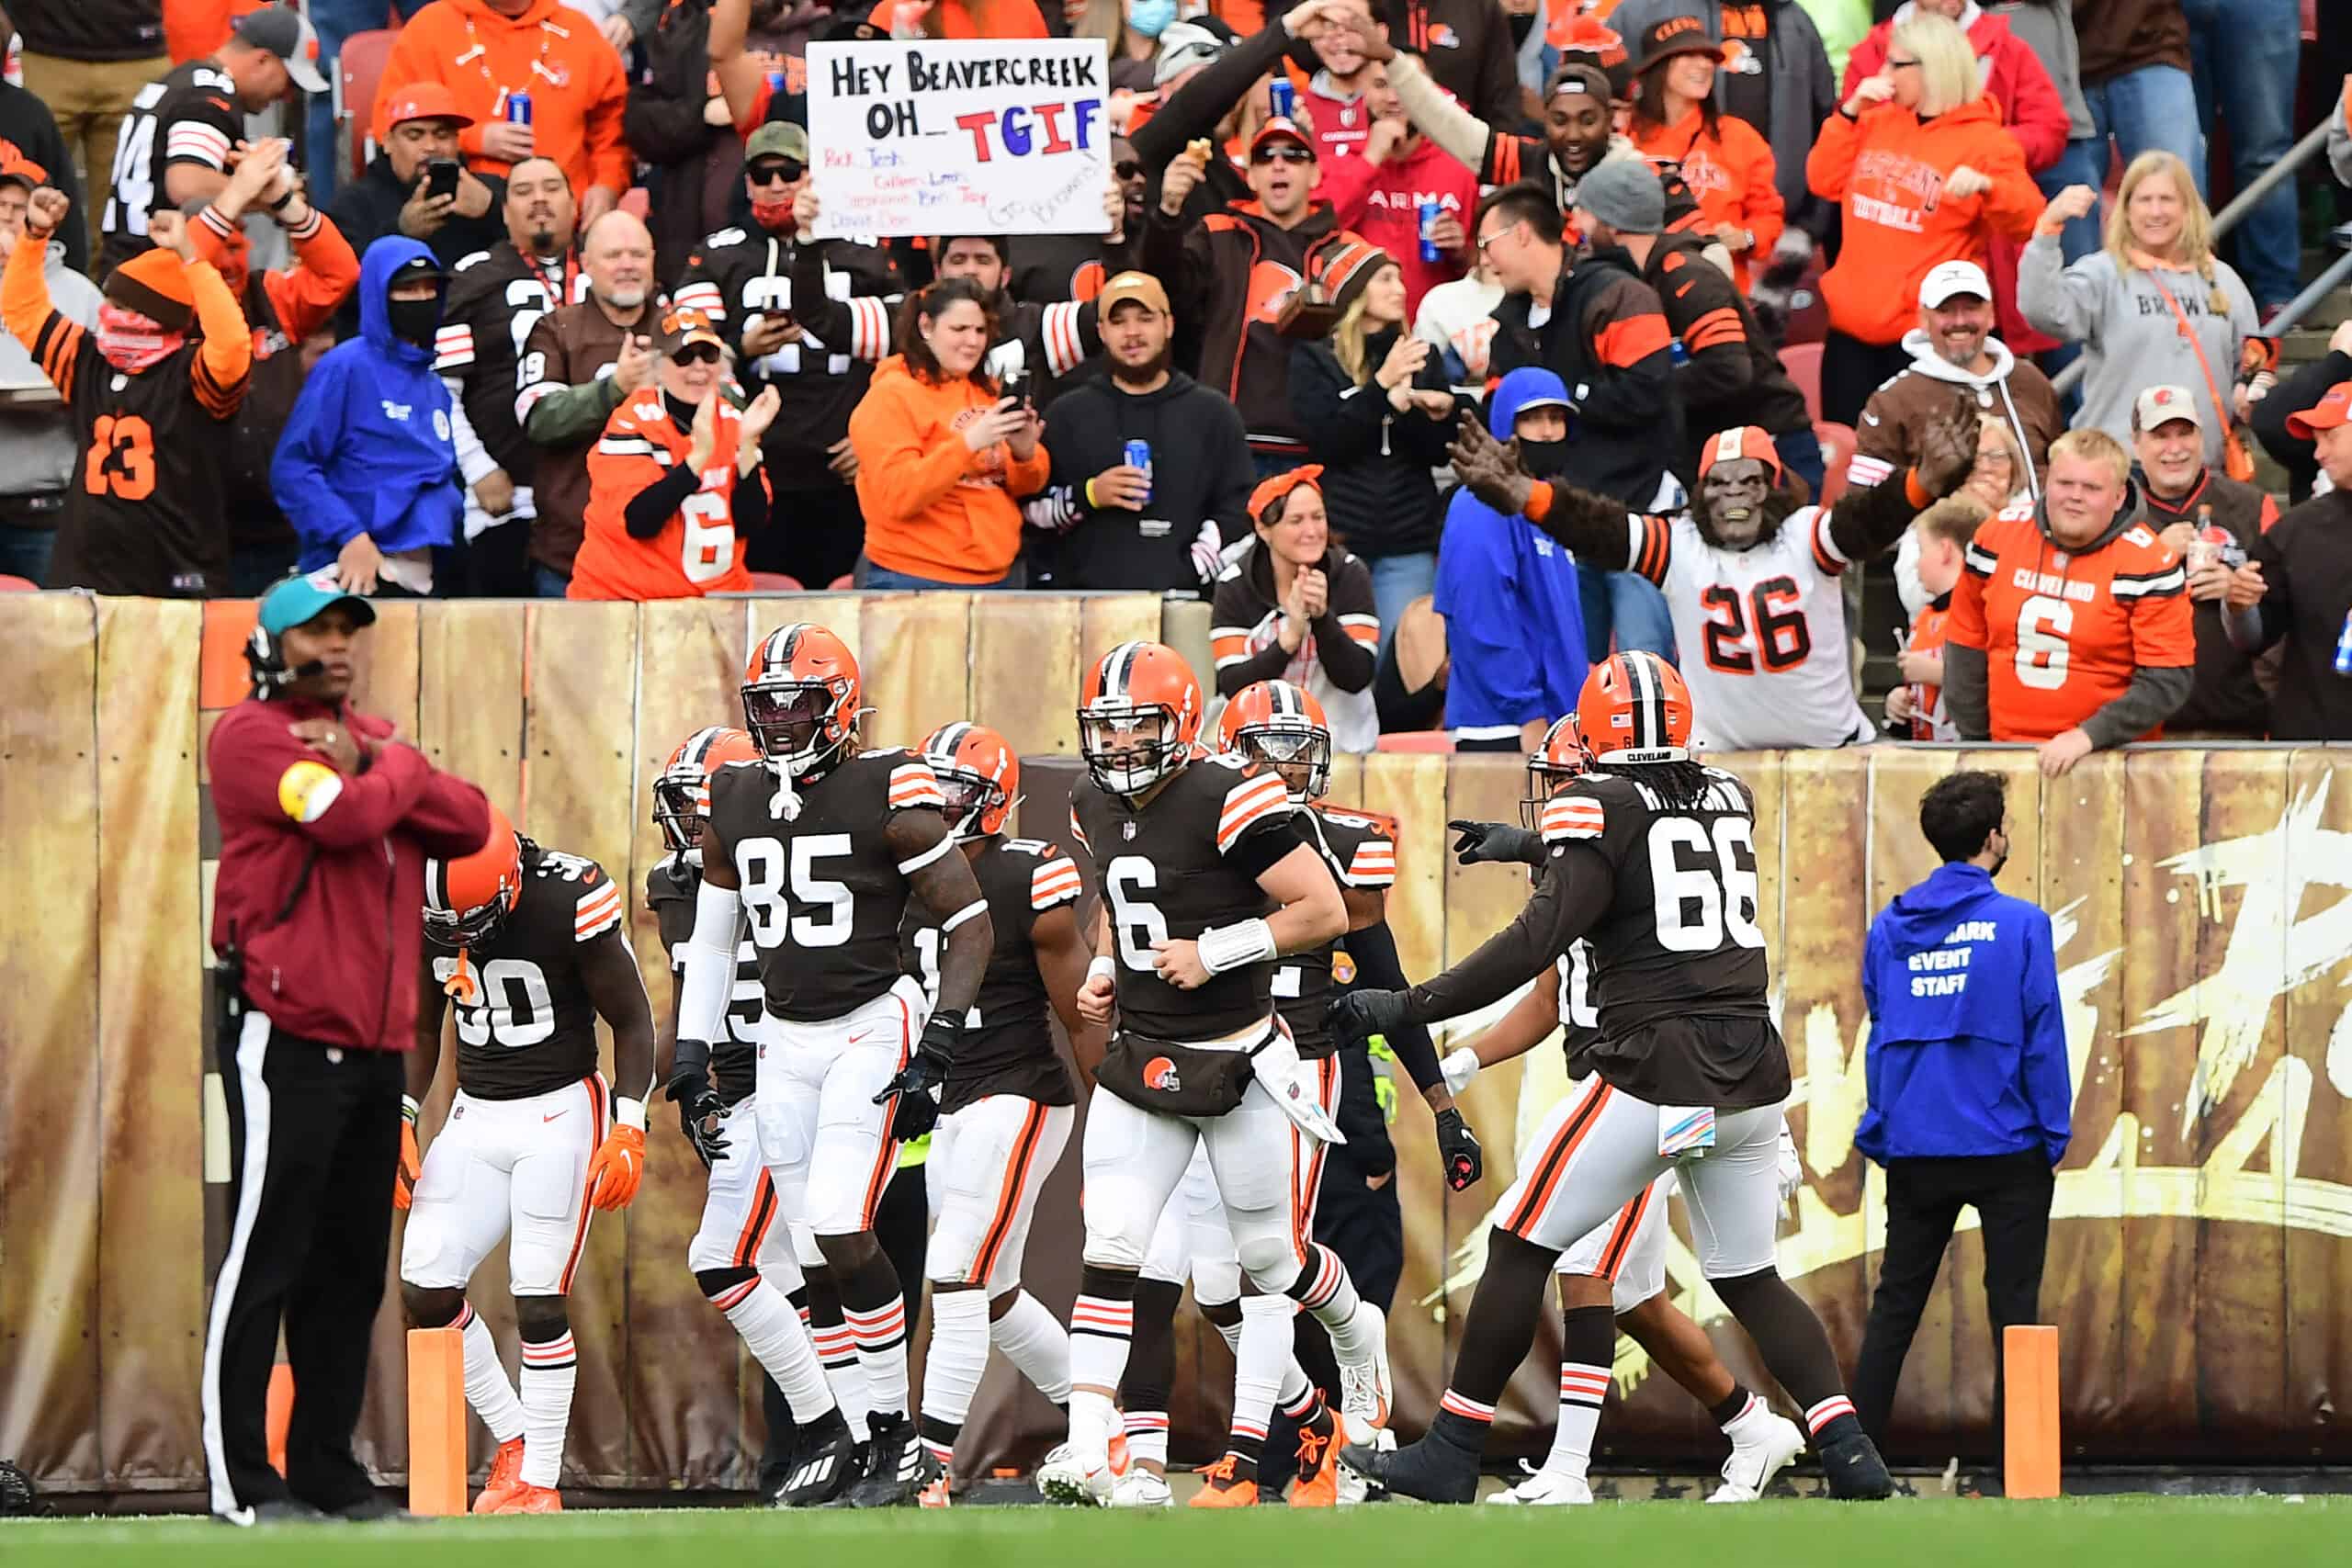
900	1467
1855	1471
824	1464
1430	1471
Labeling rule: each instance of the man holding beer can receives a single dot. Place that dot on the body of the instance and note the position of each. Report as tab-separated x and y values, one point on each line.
2303	569
1405	194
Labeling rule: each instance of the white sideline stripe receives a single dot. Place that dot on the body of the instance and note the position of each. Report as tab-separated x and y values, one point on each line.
253	1044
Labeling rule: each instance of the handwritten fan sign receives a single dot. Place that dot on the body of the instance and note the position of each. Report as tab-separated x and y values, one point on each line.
984	136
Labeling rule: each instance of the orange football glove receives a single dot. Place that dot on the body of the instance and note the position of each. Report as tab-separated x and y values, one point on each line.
620	1165
412	1161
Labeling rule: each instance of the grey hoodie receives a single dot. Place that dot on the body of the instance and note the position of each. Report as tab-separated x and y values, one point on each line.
2048	29
38	451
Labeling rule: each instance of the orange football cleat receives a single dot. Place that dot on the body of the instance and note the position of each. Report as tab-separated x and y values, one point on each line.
935	1495
530	1499
1220	1488
1318	1464
505	1477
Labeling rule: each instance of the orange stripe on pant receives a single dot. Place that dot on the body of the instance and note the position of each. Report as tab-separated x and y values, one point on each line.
887	1159
1309	1185
1621	1238
755	1224
1546	1179
595	1087
1008	1204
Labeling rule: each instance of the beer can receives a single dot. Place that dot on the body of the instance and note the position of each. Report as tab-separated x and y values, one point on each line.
1431	212
775	83
1282	96
1138	456
2344	646
519	109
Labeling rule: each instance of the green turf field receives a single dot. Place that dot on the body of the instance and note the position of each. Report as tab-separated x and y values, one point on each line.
2129	1533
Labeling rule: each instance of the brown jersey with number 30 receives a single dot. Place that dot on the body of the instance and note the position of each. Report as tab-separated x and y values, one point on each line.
525	1024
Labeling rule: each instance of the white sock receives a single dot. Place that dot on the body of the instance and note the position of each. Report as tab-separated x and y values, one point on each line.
1582	1391
881	1339
1232	1333
1100	1330
1331	1296
838	1353
549	1372
1258	1366
1034	1340
1148	1438
1297	1394
771	1331
487	1389
959	1354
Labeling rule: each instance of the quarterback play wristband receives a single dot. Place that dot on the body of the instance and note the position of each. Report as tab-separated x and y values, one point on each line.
627	1112
408	1108
1459	1068
1230	947
1103	968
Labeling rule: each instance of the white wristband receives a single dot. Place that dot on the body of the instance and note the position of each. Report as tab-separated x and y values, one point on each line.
408	1108
1459	1068
1105	967
627	1112
1230	947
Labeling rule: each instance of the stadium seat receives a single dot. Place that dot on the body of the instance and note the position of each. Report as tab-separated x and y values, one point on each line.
775	582
1837	451
841	584
1428	741
359	70
17	584
1803	362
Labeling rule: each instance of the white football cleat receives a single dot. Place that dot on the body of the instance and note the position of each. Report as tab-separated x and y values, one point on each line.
1139	1489
1079	1479
1546	1489
1760	1451
1365	1396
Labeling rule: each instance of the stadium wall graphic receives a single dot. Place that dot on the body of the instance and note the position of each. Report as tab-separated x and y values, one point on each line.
2199	1266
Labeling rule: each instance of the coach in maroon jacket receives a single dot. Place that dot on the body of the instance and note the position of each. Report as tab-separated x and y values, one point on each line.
326	821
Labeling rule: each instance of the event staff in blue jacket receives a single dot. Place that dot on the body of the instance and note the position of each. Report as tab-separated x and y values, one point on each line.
1514	630
1969	1100
366	469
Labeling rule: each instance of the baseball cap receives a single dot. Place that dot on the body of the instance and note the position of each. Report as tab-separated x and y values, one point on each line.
2332	410
777	139
1183	45
19	170
1139	287
681	327
286	33
2159	405
1281	128
1953	277
424	100
300	599
1624	193
1745	441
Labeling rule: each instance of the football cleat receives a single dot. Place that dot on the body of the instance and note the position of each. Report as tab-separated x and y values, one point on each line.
1432	1471
505	1477
935	1495
1220	1488
1855	1471
1318	1462
530	1499
1364	1388
824	1464
1546	1489
1140	1488
1764	1446
900	1467
1119	1457
1080	1480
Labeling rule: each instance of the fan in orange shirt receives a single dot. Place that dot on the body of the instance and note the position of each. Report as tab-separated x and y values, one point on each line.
2071	626
1728	167
675	479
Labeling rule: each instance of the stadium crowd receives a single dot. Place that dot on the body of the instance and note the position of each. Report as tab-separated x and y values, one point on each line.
1559	319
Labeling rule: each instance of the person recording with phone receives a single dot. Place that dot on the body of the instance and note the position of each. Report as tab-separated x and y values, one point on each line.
418	187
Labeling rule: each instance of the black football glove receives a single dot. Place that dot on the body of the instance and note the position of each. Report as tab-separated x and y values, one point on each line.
698	1112
1457	1147
1496	843
1360	1014
915	1116
927	1068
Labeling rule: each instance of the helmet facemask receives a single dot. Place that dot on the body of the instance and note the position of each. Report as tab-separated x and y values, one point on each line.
1301	756
798	724
1128	748
977	804
679	807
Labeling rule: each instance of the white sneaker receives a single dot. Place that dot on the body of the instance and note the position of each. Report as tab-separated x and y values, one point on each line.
1546	1489
1759	1453
1139	1489
1079	1479
1353	1488
1364	1390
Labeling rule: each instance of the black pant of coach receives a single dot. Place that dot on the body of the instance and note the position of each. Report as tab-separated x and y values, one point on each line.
1924	1197
314	1139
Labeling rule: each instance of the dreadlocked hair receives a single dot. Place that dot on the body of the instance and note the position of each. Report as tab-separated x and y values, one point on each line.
1681	786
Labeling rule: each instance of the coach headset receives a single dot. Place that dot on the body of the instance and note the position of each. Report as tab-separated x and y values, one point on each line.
265	655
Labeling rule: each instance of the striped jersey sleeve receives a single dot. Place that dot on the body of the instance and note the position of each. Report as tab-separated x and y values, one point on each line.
203	133
1078	830
913	784
599	908
1054	882
1254	799
1650	545
869	326
1571	815
1063	328
453	348
1866	472
1827	558
701	294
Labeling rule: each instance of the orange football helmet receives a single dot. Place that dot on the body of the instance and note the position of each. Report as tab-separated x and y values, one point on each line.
682	789
1280	725
800	697
1133	685
1635	708
1550	765
978	773
468	898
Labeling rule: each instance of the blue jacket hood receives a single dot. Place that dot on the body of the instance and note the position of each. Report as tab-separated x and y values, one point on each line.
1523	385
385	257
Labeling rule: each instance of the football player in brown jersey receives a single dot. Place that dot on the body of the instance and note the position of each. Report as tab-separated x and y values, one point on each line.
742	1254
1620	1264
822	847
1651	858
529	944
1006	1110
1206	881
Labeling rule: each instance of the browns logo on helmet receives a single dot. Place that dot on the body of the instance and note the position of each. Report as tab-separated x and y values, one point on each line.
1281	724
682	789
1135	685
800	697
1559	759
467	899
978	774
1633	709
